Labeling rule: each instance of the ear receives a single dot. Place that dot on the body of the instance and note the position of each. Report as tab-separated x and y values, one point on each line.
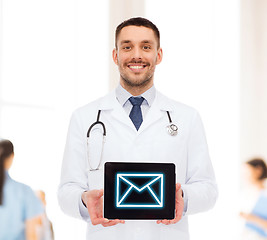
115	56
8	162
159	56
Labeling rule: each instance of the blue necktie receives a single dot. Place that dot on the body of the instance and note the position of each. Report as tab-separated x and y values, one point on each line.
136	114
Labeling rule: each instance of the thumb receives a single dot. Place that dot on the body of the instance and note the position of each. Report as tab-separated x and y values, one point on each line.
96	193
178	186
100	193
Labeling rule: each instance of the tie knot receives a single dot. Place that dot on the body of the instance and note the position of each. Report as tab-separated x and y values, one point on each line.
136	101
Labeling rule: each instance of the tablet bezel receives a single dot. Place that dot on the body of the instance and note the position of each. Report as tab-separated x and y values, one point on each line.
165	212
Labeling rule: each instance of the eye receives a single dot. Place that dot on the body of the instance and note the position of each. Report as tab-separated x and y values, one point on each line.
126	48
146	47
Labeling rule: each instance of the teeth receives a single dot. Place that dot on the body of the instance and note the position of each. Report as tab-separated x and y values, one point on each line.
136	67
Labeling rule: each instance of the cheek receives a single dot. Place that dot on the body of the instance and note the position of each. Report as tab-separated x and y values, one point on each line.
122	61
155	59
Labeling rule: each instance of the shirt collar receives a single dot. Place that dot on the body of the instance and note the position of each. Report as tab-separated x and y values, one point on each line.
123	95
7	175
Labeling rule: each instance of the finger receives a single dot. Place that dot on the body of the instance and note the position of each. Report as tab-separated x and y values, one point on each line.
96	221
109	224
113	222
178	193
118	220
178	214
175	220
165	222
178	186
100	193
159	221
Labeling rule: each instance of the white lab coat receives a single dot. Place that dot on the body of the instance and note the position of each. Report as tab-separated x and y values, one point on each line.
188	150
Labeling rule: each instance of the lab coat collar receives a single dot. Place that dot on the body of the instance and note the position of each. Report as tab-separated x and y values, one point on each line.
123	95
7	177
161	102
159	107
158	110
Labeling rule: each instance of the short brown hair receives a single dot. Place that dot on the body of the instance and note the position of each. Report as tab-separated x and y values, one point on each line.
259	163
140	22
6	149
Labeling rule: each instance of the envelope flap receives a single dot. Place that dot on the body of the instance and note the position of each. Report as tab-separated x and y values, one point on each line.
140	181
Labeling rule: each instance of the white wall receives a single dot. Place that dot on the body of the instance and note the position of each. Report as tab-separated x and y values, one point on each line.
253	118
1	54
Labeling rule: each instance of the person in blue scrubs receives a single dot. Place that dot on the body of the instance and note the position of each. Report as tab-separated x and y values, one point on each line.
256	220
19	207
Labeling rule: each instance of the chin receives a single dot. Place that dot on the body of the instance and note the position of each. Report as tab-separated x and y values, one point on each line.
137	82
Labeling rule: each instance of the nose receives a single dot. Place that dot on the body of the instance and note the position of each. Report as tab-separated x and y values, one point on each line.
137	54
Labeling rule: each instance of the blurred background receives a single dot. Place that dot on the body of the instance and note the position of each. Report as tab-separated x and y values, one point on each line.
55	56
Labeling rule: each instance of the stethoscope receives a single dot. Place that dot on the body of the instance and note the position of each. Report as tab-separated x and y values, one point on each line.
172	129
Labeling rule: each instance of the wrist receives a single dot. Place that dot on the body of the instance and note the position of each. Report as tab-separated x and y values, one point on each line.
83	198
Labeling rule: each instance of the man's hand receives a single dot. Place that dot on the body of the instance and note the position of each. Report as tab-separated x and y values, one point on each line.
179	207
94	202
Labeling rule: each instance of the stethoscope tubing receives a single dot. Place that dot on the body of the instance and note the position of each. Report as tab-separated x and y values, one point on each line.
95	123
172	129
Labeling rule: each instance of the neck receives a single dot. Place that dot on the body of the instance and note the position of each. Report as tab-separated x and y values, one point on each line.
136	90
259	185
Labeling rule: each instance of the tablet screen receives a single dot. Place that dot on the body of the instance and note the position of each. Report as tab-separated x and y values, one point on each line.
139	190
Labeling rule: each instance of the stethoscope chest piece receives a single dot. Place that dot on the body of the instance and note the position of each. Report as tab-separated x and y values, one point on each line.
172	129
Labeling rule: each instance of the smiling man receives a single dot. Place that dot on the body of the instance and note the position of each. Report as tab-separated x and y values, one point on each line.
137	57
134	117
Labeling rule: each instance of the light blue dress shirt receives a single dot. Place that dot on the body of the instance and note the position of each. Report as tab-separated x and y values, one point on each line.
260	210
123	96
19	204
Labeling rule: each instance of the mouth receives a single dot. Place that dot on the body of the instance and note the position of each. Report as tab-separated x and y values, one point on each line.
136	67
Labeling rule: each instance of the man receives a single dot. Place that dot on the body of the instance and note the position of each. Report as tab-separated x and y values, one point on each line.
135	118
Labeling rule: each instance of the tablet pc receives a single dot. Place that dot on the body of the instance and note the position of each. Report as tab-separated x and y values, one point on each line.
139	190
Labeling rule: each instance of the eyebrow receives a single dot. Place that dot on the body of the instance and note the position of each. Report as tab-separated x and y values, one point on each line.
147	41
129	41
125	41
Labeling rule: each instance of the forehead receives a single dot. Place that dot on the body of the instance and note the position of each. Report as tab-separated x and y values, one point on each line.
136	34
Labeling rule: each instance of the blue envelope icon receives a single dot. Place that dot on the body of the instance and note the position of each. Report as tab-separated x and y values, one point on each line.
139	190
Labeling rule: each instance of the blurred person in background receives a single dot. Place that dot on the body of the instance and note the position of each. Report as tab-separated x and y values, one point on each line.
256	220
45	228
19	207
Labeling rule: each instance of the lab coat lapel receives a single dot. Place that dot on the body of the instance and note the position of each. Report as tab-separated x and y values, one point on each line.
157	111
111	103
